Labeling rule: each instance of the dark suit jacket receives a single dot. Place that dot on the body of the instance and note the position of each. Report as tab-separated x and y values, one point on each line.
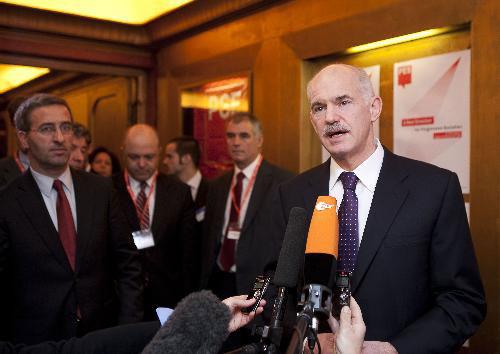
169	265
416	277
40	292
125	339
255	249
8	171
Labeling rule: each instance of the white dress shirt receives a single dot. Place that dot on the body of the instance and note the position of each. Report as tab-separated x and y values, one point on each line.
135	186
49	194
194	183
367	174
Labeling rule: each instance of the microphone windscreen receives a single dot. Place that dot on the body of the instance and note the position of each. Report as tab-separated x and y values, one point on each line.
199	324
323	234
292	251
322	246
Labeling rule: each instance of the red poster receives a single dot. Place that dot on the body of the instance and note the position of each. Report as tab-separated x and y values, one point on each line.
205	109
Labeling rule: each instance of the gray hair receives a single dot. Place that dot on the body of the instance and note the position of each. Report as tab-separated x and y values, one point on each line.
241	116
22	118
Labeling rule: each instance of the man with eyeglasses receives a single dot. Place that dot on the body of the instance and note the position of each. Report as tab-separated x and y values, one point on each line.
67	262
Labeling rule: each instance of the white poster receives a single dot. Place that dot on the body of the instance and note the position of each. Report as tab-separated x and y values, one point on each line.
431	111
374	74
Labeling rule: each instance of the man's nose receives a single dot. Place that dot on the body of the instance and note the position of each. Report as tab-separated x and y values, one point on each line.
58	135
331	115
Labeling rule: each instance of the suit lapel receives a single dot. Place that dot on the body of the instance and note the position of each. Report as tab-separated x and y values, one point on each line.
390	194
159	217
84	215
31	201
263	180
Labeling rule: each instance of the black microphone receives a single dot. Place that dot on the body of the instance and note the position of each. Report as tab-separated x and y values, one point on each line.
286	277
199	324
320	266
287	272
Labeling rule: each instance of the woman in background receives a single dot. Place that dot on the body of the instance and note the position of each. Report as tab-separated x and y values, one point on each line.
103	162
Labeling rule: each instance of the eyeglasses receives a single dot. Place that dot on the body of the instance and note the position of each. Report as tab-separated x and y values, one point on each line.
50	129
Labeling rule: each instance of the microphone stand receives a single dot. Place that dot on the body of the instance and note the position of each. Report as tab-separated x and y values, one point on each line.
316	304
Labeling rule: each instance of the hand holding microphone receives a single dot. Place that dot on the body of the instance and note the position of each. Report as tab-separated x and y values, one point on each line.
238	318
350	330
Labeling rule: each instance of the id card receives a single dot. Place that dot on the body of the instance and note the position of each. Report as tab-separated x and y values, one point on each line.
233	232
200	214
143	239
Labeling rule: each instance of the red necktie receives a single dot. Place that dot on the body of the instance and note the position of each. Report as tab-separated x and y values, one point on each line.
66	225
142	207
226	255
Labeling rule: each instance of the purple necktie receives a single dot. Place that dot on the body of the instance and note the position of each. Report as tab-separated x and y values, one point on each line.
348	223
226	255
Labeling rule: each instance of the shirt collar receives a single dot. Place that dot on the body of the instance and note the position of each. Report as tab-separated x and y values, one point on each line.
46	183
23	158
194	181
136	185
367	172
249	170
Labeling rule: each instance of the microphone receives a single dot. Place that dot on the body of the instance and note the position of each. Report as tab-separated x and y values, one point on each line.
199	324
287	270
285	278
320	266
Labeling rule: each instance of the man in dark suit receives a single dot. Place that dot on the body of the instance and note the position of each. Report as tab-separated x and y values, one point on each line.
67	262
415	275
13	166
160	211
182	159
236	246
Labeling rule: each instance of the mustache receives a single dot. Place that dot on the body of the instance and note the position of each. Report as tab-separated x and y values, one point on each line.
334	128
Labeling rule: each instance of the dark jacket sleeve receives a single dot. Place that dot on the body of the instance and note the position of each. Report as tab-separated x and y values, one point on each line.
127	265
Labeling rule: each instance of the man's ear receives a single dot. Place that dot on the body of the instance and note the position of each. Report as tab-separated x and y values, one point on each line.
23	140
185	159
375	108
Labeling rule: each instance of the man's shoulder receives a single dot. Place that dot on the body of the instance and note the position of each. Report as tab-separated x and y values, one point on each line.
7	162
88	179
305	177
168	181
417	168
278	173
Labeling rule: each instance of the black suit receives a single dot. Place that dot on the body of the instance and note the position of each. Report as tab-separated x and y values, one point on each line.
169	265
255	249
40	291
8	170
416	277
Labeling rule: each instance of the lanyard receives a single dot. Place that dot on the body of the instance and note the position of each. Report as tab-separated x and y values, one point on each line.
18	162
140	213
247	190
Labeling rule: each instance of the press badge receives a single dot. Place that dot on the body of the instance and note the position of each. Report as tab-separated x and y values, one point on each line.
233	232
143	239
200	214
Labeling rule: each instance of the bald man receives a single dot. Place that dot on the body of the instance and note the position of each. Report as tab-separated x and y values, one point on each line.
160	211
403	228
